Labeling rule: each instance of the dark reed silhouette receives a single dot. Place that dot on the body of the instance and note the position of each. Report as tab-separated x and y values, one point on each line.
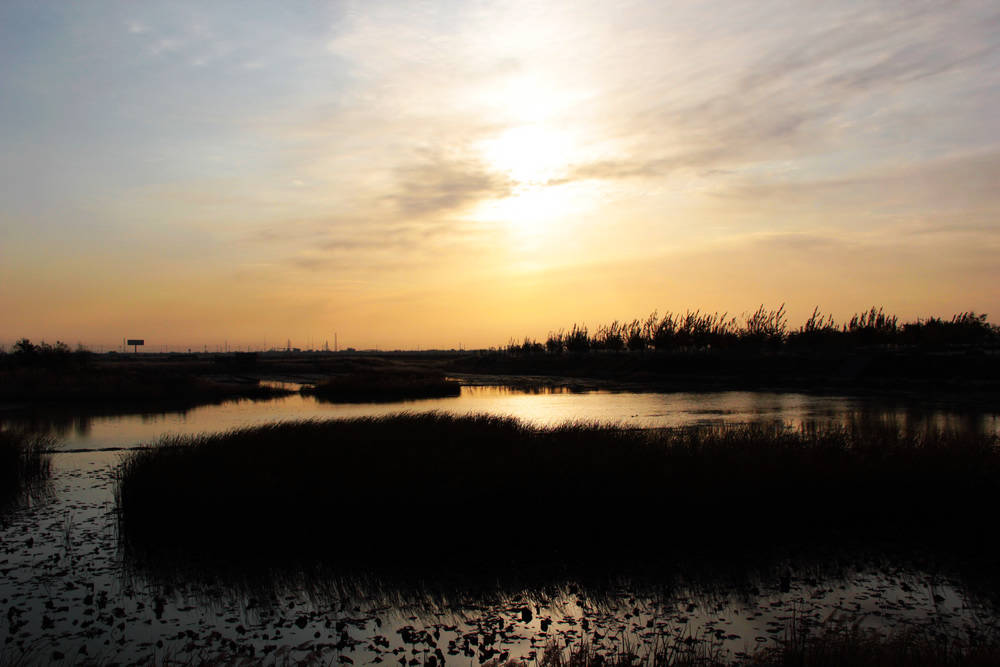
872	352
446	489
24	466
762	328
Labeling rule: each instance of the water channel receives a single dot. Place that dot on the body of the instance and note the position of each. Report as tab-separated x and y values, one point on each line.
77	430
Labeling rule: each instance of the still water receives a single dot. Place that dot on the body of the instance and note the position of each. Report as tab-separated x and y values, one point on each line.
79	430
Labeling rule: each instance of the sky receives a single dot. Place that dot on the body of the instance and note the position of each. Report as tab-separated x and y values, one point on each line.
436	174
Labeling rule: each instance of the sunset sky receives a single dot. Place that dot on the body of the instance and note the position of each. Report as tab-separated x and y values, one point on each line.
425	174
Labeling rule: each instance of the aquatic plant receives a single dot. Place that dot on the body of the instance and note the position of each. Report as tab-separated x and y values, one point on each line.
695	329
446	489
610	337
555	343
24	465
577	340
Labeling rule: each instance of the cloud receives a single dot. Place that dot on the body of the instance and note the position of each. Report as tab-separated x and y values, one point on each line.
641	168
385	247
416	220
136	27
965	181
800	242
859	84
165	45
866	48
439	185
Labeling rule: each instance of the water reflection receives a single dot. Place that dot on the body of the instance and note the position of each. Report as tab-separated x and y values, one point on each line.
465	619
90	429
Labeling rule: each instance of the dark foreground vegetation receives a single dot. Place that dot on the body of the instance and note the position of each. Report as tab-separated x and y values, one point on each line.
24	465
453	492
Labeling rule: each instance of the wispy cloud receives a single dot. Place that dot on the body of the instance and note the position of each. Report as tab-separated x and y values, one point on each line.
844	85
440	185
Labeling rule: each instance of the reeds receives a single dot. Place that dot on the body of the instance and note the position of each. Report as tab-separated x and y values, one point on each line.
24	465
447	488
697	330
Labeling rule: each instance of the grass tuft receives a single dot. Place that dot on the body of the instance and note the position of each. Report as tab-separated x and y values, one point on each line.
24	465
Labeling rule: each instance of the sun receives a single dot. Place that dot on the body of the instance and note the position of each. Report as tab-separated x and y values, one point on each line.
531	155
530	211
534	158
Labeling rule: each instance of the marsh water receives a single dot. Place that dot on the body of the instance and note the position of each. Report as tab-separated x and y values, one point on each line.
68	595
544	406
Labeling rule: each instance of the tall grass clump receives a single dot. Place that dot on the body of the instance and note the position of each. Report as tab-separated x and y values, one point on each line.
448	488
24	465
764	327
